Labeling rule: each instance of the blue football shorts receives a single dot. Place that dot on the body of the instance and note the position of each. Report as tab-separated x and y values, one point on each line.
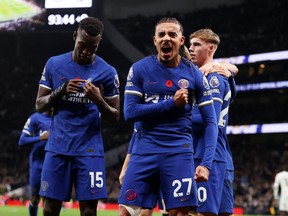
227	201
85	174
170	173
210	192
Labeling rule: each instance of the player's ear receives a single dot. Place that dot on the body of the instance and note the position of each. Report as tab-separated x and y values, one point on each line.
74	35
212	47
182	40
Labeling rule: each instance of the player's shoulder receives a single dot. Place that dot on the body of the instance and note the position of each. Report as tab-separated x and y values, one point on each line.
63	56
34	116
99	61
188	63
216	80
147	61
215	74
194	70
59	60
145	64
282	173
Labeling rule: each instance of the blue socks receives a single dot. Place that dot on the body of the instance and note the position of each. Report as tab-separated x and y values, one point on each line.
33	210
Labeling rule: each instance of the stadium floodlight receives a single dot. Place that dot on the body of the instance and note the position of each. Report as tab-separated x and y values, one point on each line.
56	4
257	128
262	86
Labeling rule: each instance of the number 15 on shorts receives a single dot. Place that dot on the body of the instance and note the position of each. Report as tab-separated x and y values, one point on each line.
96	179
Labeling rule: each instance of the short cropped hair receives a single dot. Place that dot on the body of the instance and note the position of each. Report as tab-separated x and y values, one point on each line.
171	20
92	26
206	35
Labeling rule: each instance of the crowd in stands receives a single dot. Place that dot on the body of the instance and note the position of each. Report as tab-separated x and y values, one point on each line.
245	29
257	159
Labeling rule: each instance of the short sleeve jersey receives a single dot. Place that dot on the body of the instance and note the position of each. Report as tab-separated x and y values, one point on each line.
76	123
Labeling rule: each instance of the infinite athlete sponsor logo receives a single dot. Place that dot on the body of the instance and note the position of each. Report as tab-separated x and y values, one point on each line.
79	97
44	185
131	194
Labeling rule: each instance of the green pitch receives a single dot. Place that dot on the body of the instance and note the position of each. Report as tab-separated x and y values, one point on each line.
23	211
13	9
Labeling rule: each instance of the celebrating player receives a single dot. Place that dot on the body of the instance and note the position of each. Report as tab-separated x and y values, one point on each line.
82	88
203	45
35	134
158	95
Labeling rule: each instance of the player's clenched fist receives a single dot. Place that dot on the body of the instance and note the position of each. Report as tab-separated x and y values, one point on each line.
181	97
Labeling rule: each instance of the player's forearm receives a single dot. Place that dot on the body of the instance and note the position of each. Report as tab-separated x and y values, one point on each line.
139	112
25	140
126	161
232	68
46	100
210	145
210	135
109	108
232	85
109	113
43	104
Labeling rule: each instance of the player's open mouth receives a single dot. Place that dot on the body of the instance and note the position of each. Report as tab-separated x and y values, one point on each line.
166	49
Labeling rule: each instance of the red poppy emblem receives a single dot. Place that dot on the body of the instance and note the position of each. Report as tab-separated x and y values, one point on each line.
169	83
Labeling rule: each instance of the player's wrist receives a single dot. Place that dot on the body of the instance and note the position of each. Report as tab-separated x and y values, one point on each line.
231	73
206	166
170	103
58	92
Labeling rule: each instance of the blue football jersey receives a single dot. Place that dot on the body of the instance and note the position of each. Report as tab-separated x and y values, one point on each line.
229	162
133	139
76	123
149	91
221	96
35	125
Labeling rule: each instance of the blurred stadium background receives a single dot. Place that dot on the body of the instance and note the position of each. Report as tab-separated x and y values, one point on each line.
253	36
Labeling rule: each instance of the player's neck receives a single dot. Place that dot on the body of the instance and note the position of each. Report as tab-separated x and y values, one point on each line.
207	61
173	63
